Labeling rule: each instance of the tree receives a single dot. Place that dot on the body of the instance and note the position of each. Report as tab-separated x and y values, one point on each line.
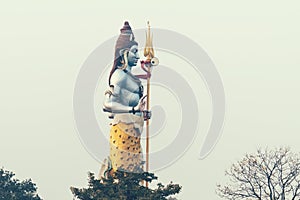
268	174
13	189
124	186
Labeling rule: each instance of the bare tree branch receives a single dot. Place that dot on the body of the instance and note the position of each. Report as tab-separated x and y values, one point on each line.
267	174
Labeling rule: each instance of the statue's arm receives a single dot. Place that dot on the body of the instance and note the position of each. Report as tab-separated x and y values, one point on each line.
113	102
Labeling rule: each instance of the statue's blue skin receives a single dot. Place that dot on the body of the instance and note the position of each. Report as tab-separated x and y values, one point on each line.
125	91
133	56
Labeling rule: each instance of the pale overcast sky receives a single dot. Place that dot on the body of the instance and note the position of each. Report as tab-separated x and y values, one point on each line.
255	46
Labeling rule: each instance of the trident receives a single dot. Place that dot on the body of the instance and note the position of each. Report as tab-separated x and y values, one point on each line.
147	67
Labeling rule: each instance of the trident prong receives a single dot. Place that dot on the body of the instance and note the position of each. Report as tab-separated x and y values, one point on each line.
148	51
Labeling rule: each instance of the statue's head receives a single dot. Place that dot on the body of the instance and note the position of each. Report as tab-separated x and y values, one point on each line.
126	49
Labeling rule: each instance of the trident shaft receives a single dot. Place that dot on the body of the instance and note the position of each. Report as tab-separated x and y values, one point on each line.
147	67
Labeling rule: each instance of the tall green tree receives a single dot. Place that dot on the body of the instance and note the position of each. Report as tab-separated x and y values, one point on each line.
124	186
14	189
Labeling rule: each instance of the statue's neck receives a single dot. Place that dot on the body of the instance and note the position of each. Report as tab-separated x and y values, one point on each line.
128	68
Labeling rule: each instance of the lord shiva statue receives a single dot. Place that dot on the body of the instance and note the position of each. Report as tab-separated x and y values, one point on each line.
124	103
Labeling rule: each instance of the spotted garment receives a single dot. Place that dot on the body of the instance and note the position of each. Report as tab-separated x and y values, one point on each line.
125	144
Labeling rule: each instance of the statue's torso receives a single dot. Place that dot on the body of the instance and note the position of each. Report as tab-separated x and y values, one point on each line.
130	87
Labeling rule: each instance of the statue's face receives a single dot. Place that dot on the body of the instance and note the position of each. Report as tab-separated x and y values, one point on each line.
133	56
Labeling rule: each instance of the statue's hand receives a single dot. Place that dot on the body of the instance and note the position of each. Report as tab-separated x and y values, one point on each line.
141	105
147	114
141	108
